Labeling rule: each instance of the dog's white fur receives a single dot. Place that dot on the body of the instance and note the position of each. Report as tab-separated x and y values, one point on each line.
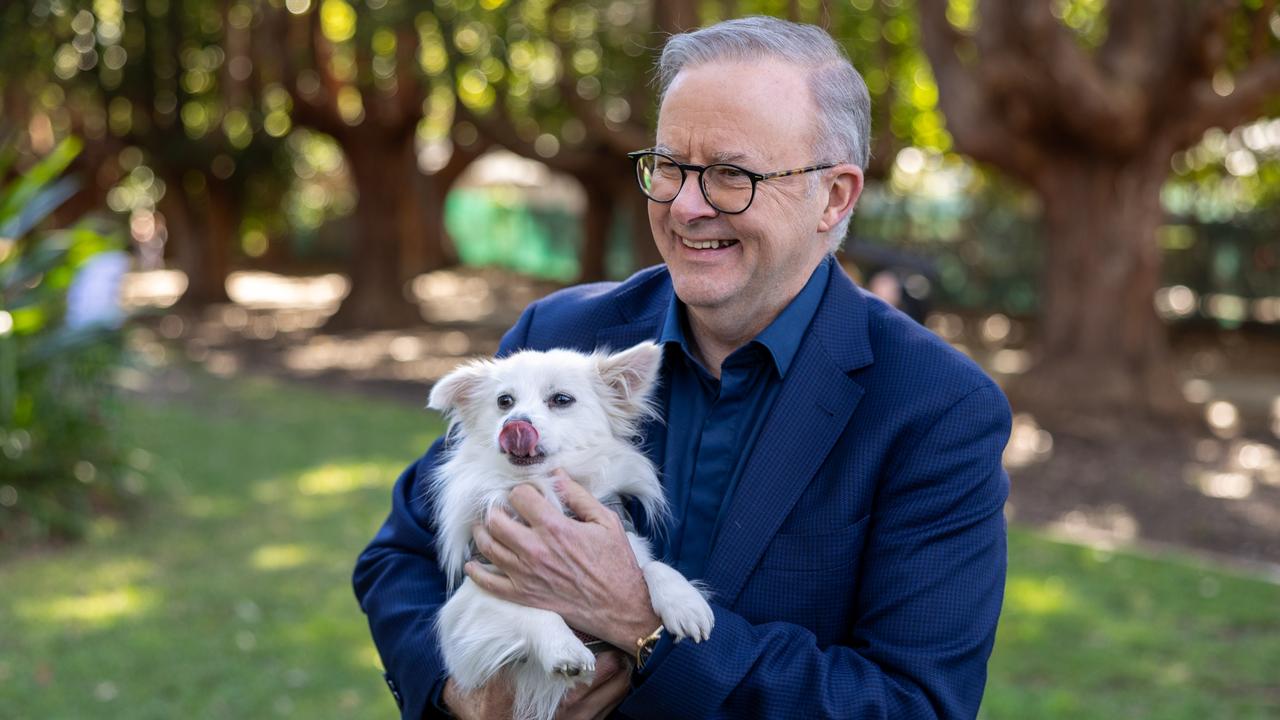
591	439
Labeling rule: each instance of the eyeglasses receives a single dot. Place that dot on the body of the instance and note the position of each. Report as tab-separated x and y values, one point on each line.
727	188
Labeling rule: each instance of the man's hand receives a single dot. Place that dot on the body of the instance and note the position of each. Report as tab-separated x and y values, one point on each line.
584	570
586	702
491	702
606	691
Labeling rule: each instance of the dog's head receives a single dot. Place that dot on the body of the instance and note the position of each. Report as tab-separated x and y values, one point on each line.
531	406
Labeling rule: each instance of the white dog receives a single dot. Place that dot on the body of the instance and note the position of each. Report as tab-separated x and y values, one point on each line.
514	421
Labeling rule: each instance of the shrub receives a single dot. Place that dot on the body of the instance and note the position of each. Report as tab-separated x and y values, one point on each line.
59	459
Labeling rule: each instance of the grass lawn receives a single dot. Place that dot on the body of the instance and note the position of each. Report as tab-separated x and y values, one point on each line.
231	597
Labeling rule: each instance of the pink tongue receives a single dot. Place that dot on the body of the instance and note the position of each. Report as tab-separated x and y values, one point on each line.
518	438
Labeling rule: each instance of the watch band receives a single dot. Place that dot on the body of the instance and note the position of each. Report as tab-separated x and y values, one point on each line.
645	646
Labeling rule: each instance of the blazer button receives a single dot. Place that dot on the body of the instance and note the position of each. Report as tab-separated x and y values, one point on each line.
395	692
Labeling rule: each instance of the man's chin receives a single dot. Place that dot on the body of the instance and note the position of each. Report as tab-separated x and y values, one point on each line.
703	292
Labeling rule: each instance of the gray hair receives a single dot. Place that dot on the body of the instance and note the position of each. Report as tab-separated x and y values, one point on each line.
838	91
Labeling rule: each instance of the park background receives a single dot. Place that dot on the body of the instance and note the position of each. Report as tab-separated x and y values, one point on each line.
324	205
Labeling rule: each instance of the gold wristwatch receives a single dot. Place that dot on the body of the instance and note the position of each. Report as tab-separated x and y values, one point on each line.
645	646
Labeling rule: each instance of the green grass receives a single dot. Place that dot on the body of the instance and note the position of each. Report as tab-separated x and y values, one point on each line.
231	597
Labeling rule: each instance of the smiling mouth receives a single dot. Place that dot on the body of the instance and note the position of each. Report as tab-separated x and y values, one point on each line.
706	244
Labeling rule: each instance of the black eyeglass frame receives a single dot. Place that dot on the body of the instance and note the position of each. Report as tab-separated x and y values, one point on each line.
686	168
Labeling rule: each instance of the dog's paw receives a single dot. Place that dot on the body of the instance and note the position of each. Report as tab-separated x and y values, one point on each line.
693	619
684	611
568	659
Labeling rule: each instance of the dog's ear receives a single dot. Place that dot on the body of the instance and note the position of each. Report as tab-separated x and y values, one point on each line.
453	390
631	374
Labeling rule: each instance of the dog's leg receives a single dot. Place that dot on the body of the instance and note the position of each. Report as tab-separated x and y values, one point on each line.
682	607
481	635
478	636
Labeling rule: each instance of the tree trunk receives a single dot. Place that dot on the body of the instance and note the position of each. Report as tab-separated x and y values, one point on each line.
596	221
378	298
1102	345
201	238
644	252
424	244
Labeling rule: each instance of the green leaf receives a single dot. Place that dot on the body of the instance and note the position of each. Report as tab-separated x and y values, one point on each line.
16	197
39	207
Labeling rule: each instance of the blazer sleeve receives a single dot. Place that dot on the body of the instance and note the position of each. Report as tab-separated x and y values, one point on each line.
399	584
927	600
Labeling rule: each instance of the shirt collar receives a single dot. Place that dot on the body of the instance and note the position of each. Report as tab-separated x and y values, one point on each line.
781	338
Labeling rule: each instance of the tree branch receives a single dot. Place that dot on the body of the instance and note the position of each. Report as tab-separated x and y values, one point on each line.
1254	87
1258	41
621	137
978	130
1030	55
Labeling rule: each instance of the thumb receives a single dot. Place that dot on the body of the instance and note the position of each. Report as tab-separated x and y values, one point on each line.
582	503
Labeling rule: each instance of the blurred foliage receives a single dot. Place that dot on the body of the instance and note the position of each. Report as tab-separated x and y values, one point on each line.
178	98
61	458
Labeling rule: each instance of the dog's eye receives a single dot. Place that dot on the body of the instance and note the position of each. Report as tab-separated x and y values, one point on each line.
505	401
561	400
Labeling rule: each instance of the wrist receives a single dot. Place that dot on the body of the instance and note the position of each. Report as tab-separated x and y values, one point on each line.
634	628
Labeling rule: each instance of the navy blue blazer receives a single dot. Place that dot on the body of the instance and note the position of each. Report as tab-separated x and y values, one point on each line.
860	569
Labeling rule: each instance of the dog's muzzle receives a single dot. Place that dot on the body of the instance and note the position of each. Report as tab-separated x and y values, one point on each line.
519	439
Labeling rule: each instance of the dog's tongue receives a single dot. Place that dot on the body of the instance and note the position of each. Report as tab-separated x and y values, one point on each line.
518	438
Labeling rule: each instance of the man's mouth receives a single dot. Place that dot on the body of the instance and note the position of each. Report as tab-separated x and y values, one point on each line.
706	244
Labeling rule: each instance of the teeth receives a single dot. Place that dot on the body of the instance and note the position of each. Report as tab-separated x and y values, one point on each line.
705	245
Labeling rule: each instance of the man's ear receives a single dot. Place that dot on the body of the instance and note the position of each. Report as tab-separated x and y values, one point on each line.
842	194
453	390
631	375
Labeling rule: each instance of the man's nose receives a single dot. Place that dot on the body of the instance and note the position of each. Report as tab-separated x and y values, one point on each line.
690	205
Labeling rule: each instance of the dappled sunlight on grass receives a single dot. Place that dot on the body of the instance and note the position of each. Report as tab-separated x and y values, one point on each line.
94	609
1091	633
205	507
1038	596
368	657
232	598
280	557
333	479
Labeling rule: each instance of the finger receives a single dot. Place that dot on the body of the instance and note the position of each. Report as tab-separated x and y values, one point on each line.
601	699
490	581
494	551
582	503
513	535
533	507
608	664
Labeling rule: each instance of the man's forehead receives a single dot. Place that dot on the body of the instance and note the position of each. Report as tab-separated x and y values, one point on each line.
735	112
713	156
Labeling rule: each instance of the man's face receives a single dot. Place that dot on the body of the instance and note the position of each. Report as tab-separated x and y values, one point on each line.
761	117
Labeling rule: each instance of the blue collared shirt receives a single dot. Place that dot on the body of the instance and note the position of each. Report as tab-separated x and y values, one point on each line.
712	425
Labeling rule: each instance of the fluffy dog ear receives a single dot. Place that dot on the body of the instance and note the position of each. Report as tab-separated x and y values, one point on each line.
632	374
453	390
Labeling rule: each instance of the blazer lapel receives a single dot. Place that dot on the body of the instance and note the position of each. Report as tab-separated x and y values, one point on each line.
813	408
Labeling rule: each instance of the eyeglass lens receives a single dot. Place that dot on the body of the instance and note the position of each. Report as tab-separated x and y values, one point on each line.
726	187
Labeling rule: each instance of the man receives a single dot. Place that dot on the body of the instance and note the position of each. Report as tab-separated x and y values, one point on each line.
834	469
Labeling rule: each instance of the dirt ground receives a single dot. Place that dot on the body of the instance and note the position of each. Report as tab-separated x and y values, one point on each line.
1212	487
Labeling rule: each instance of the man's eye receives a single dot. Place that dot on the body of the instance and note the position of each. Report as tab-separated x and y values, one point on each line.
505	401
561	400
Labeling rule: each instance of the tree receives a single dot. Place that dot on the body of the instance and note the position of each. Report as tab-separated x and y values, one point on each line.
564	83
360	81
1087	105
